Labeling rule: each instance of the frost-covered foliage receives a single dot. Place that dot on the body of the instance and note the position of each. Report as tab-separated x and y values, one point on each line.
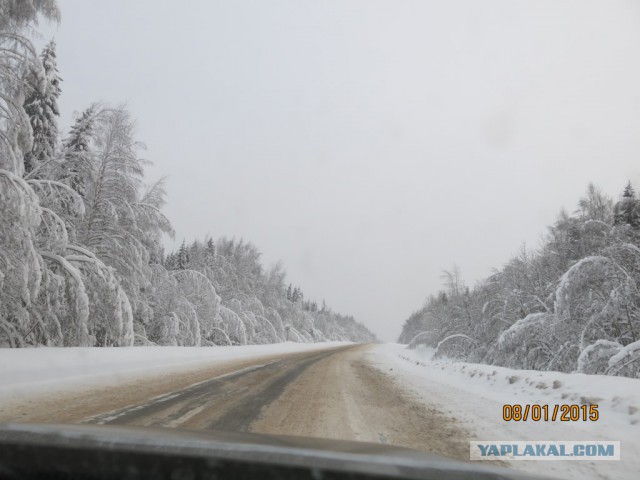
571	305
56	288
423	339
42	89
43	297
595	358
76	167
81	262
454	345
255	305
625	361
123	221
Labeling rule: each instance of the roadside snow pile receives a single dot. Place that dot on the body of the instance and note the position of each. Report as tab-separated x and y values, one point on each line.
473	395
612	394
25	371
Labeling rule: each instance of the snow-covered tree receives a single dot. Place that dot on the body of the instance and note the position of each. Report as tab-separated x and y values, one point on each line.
81	260
77	162
43	299
42	89
627	210
182	257
572	304
123	221
255	305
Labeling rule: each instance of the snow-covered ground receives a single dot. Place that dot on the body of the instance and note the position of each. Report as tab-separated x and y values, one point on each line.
28	371
475	394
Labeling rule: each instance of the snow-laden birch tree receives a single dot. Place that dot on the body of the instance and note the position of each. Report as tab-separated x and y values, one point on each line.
123	221
572	304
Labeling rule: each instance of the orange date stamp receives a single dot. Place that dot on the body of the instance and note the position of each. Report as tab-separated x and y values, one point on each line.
546	413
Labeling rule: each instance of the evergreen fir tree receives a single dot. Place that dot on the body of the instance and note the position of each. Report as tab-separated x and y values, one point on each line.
211	247
182	261
76	151
210	253
297	295
41	106
170	261
627	210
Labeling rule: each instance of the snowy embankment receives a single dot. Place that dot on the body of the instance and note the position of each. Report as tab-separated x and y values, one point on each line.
32	371
474	395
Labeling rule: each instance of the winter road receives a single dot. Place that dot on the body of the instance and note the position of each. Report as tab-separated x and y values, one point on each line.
332	393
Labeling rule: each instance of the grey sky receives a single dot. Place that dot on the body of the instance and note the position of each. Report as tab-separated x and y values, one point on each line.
367	144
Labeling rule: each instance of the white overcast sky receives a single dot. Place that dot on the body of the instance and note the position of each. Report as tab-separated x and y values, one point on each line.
367	144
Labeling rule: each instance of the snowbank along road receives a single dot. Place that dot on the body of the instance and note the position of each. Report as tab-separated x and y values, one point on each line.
331	393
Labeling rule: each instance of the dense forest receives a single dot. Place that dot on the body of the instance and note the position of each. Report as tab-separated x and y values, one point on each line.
81	229
573	304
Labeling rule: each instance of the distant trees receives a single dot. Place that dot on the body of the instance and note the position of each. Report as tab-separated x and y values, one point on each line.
255	305
572	304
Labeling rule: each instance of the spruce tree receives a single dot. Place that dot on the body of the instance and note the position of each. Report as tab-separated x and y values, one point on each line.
627	210
210	253
41	106
211	247
77	151
182	262
170	261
